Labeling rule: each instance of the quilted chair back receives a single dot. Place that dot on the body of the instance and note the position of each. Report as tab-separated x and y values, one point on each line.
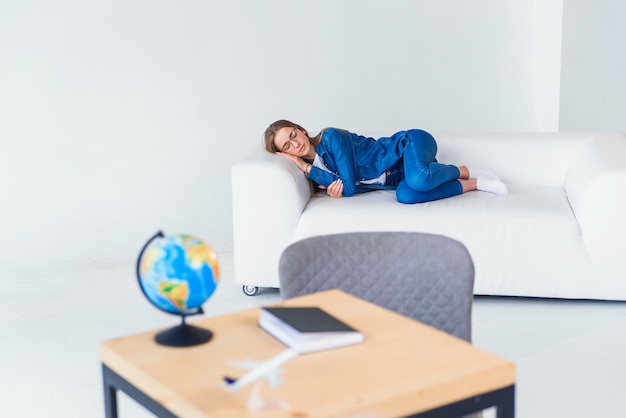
426	277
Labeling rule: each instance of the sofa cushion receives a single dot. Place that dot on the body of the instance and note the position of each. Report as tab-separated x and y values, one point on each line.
530	237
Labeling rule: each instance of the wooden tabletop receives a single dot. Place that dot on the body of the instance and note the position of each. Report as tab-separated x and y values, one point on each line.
402	367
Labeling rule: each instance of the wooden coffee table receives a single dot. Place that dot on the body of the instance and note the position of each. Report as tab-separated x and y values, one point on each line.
404	368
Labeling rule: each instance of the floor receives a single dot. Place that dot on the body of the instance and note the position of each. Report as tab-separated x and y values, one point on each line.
570	355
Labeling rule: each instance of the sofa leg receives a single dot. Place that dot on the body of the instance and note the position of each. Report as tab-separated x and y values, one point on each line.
250	290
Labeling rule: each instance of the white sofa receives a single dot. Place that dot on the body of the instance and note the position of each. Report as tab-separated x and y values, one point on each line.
560	232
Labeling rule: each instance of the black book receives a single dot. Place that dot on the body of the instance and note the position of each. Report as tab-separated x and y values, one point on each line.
307	329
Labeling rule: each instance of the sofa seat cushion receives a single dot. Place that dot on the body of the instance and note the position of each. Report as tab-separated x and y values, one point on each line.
528	237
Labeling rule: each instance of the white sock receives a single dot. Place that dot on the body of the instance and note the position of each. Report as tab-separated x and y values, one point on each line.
491	185
475	172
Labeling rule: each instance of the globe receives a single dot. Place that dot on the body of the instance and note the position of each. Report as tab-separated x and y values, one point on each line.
178	274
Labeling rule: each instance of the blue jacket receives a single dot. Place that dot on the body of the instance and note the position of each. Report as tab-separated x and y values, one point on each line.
355	158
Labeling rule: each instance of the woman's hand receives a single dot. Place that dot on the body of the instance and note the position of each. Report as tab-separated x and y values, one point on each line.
335	189
299	162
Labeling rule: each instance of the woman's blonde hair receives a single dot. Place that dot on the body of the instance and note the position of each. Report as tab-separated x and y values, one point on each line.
270	133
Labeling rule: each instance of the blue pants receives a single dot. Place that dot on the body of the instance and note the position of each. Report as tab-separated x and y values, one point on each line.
424	178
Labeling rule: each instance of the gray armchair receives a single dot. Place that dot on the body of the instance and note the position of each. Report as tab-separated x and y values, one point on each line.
426	277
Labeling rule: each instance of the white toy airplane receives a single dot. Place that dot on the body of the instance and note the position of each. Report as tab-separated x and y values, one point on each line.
269	369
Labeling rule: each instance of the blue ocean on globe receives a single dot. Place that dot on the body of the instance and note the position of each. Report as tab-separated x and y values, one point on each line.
178	273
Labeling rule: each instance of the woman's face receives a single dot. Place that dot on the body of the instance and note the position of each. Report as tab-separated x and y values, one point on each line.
292	141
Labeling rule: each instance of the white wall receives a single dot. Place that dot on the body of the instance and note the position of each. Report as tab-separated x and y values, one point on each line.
119	118
546	62
593	90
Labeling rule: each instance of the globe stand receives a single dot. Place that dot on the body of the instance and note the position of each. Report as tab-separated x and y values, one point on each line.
183	335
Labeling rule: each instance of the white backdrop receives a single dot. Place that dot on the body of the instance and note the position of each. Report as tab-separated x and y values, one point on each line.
122	117
593	86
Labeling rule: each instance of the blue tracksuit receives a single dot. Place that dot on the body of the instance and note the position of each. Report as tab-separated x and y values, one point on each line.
407	158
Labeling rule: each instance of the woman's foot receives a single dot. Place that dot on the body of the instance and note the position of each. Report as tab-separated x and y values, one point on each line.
491	185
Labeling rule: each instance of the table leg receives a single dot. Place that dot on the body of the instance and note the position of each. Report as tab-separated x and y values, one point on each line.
506	405
110	395
112	382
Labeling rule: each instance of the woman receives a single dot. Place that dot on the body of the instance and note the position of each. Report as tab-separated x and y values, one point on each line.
345	163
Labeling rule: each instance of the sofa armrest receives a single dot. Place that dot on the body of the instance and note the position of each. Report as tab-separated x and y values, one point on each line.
596	189
269	193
